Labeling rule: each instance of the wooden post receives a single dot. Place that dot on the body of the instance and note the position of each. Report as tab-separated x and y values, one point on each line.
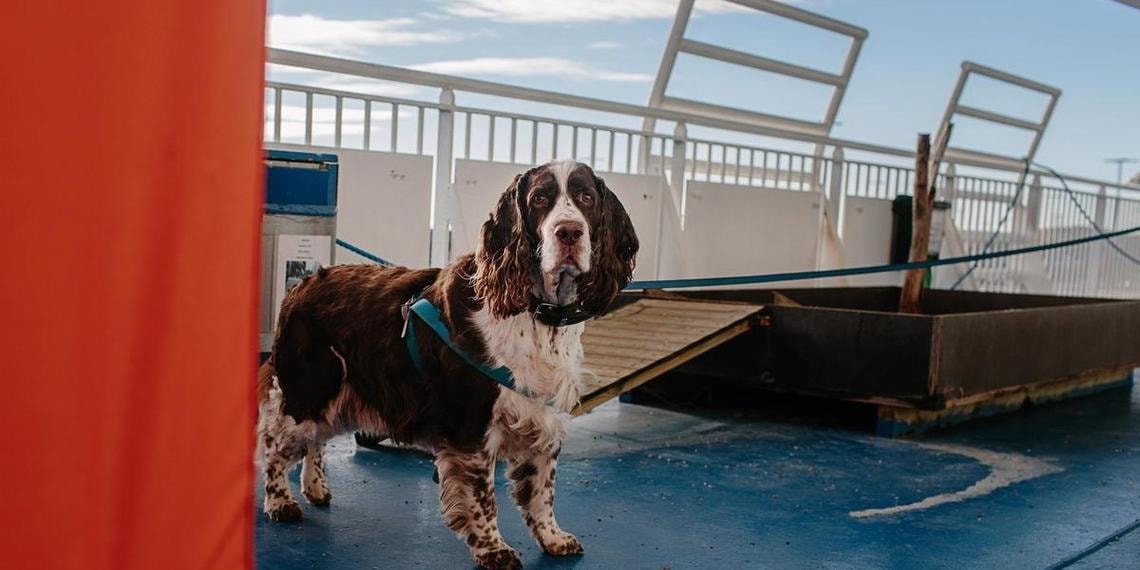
925	176
920	233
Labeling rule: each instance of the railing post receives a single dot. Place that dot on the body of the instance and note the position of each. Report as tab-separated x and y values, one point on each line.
949	188
947	192
641	165
1033	210
677	165
1117	202
1096	256
834	197
952	244
443	194
667	226
829	199
1034	273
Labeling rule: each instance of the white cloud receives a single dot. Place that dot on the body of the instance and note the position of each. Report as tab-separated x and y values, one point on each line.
345	37
604	45
528	67
553	11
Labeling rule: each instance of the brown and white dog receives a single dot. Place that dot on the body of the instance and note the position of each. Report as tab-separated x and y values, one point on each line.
558	235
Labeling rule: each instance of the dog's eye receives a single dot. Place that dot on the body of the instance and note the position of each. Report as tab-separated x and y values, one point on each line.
586	199
541	201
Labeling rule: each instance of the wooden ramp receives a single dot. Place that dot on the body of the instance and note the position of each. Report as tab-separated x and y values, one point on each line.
649	337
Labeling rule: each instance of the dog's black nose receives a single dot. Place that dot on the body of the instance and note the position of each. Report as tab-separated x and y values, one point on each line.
568	233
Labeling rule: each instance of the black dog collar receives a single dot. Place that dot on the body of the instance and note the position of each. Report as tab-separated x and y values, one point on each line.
558	315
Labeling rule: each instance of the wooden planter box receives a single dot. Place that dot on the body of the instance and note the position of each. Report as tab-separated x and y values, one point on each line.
968	354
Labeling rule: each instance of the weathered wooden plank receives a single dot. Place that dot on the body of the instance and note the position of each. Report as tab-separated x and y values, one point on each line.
670	323
633	338
606	369
683	308
649	337
643	351
900	419
635	333
643	305
690	303
614	361
664	321
700	346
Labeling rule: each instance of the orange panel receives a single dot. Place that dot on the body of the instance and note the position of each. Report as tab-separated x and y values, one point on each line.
131	192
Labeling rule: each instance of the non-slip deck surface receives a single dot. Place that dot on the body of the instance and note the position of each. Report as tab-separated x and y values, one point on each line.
648	488
649	337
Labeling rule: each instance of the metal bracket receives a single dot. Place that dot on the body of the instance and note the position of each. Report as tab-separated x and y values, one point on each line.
955	107
678	43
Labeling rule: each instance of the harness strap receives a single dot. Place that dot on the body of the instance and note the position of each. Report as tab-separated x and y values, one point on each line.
430	315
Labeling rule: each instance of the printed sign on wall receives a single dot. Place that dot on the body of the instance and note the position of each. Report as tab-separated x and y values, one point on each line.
297	257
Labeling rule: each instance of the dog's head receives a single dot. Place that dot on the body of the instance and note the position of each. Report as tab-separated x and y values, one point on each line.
558	235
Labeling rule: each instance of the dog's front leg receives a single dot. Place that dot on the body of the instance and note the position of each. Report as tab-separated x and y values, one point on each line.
532	484
467	501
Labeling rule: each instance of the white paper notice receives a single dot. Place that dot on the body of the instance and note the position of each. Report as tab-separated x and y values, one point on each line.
296	257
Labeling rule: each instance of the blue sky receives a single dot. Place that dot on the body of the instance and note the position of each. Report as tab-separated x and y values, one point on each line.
605	48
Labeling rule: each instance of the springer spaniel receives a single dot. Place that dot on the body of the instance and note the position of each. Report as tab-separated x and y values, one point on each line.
558	240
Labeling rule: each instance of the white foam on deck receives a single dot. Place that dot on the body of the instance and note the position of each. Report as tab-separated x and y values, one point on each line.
1005	469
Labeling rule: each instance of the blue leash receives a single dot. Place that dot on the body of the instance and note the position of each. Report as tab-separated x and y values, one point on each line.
798	275
1085	214
824	273
430	315
1013	203
1001	223
364	253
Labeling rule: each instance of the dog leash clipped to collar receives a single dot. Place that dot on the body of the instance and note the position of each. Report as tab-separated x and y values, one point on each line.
430	315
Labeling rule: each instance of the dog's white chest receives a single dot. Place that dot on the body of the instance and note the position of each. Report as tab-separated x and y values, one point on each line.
545	362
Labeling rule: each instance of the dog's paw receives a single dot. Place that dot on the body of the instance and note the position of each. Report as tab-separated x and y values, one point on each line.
284	512
319	497
562	544
502	559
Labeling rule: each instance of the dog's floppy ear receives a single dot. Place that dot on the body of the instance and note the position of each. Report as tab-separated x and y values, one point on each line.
506	255
614	254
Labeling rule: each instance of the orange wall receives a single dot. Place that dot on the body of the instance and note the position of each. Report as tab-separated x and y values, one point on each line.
131	190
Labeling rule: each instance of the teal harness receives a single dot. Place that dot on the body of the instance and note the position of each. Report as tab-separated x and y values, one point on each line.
430	315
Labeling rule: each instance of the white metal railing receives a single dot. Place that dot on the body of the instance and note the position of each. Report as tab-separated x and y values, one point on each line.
1043	212
729	163
876	180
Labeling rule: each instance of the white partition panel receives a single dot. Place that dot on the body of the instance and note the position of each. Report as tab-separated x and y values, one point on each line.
867	227
739	230
642	197
383	204
478	185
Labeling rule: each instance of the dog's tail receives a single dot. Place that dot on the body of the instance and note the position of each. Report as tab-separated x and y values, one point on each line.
265	380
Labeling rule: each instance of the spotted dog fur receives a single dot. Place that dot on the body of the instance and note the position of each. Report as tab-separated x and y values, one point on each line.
532	486
339	362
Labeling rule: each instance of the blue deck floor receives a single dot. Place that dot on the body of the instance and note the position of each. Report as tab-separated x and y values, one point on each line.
649	488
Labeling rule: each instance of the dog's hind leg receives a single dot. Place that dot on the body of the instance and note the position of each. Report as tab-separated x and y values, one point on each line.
314	484
282	443
467	501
